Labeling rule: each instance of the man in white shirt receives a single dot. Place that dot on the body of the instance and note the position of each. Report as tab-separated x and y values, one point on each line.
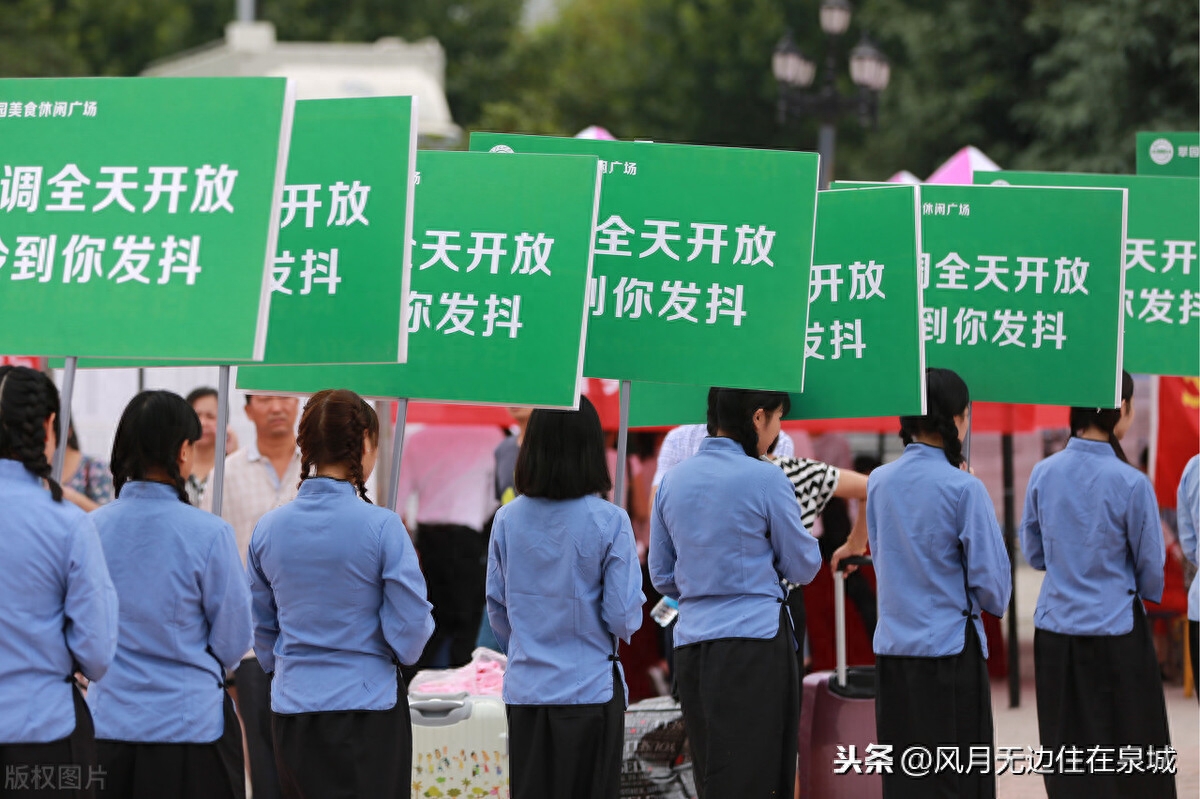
450	470
260	477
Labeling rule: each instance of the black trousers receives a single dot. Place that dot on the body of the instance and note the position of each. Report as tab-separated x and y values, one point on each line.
352	754
254	705
932	703
1106	691
454	561
180	770
567	750
40	771
740	701
1194	645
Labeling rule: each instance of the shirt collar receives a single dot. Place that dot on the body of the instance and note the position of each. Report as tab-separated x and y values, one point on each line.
148	489
15	470
720	444
920	450
254	456
1087	445
327	485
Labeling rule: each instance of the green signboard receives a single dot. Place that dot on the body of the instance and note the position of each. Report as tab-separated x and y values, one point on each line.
1174	154
1162	276
702	257
496	311
133	222
864	349
1023	290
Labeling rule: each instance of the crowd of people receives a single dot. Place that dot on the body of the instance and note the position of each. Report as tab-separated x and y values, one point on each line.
123	629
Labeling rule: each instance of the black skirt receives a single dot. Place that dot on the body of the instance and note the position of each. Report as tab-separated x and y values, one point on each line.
937	702
567	750
740	701
62	769
349	754
180	770
1102	691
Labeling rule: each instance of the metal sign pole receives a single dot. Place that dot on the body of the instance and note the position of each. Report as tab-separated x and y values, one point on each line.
622	446
218	478
393	490
64	417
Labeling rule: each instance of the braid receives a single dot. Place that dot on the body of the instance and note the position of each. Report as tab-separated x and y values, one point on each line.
950	442
27	400
178	481
333	429
946	398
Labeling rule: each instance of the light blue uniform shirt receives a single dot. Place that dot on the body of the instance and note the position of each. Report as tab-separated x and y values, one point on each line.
1187	513
1091	523
724	530
338	600
185	618
58	608
563	583
938	552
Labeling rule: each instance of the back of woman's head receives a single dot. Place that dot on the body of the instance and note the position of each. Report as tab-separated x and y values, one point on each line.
946	397
333	429
27	399
735	409
153	428
563	455
1104	419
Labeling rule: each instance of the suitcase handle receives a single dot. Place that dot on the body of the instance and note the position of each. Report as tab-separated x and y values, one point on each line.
839	610
440	712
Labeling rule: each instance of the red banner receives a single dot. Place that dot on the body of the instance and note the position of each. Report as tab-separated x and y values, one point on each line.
986	417
1178	433
32	361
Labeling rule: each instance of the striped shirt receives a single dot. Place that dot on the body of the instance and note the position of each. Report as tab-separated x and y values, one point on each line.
814	483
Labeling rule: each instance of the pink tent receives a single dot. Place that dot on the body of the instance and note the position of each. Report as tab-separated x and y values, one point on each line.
962	166
595	132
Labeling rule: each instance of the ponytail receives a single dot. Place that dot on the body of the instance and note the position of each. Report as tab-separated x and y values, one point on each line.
946	397
27	399
1104	419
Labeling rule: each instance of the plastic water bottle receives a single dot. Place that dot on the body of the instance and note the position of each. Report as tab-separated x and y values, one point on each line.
665	611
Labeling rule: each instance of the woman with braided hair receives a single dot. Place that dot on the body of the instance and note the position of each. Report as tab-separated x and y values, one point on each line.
1091	523
339	604
939	559
58	609
165	725
724	532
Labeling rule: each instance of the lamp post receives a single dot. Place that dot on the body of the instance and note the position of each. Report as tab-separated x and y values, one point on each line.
794	72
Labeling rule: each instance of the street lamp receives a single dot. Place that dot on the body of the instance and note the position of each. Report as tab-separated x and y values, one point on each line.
794	72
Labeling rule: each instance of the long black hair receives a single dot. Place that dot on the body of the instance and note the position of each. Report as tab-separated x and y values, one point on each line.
1104	419
946	397
563	455
153	427
735	409
27	399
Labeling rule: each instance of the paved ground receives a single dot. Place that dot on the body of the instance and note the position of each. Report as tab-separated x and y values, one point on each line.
1018	726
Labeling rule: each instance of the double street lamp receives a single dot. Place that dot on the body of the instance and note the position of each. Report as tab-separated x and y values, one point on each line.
795	73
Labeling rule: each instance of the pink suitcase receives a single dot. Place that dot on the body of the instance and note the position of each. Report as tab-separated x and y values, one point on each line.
838	710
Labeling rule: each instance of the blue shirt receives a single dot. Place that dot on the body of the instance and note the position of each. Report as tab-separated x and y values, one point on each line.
563	584
939	555
185	618
338	600
58	609
1091	523
724	530
1187	513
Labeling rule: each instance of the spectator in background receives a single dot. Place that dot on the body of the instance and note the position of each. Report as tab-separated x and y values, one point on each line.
1188	510
204	402
58	608
258	478
165	726
87	481
450	470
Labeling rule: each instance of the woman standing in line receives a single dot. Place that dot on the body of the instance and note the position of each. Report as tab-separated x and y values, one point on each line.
563	585
1091	523
58	609
939	559
165	726
339	604
725	531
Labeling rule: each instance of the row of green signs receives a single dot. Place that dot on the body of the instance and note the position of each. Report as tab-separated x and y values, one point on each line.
320	244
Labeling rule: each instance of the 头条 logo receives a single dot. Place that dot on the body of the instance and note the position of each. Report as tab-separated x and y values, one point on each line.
1161	151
